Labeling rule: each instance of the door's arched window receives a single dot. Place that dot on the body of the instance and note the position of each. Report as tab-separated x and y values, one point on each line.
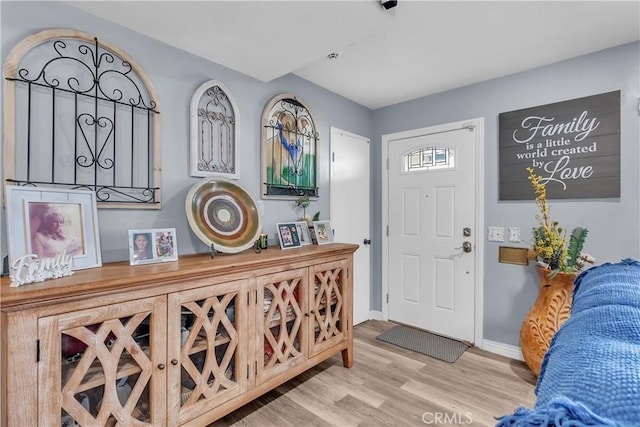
429	158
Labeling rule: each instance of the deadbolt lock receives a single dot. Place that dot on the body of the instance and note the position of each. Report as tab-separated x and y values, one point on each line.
466	232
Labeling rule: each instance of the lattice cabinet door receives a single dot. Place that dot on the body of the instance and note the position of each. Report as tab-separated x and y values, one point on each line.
281	324
207	348
330	305
104	366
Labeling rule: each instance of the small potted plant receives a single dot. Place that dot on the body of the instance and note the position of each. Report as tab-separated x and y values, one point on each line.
303	201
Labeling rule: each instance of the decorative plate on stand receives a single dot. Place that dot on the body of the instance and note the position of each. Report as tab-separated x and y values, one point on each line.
222	213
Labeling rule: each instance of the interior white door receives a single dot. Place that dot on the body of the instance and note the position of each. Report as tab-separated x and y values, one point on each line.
350	210
431	235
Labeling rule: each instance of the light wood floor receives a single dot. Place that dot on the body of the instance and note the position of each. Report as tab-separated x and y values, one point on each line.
391	386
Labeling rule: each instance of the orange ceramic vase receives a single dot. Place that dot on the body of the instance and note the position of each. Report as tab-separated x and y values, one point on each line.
550	311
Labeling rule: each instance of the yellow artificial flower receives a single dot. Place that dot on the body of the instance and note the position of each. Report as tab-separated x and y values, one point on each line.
549	247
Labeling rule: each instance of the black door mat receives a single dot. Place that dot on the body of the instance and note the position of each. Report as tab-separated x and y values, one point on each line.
436	346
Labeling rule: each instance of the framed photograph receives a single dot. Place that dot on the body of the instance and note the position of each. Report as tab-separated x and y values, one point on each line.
288	235
324	233
303	233
152	245
49	222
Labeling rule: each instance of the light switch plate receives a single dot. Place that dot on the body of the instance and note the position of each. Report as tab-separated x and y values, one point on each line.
514	234
496	234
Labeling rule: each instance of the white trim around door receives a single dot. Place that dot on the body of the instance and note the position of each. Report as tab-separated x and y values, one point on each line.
478	124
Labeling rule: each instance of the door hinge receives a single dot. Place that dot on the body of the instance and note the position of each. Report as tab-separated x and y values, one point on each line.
37	350
255	372
347	273
387	298
387	163
256	297
387	231
333	157
248	303
248	369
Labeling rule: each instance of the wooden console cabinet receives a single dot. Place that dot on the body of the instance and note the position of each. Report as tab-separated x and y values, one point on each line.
179	343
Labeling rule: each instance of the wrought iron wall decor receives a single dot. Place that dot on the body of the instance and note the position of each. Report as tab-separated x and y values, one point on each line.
214	132
80	113
289	149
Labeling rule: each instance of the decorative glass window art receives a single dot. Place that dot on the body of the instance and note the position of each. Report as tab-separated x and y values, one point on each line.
429	158
289	149
214	132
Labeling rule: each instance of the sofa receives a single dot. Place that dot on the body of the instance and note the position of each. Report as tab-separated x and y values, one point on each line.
590	375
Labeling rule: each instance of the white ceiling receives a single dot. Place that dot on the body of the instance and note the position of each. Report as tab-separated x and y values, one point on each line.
386	56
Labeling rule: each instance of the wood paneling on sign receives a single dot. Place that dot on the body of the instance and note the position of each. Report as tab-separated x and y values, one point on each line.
574	145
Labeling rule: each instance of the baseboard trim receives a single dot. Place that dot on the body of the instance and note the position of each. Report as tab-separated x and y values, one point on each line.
375	315
502	349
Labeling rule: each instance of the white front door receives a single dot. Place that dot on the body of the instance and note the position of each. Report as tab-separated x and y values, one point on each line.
350	210
431	217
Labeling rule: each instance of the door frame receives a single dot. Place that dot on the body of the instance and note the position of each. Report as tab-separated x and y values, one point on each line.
478	124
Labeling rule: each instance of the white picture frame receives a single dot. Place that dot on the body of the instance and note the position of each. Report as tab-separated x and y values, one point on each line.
303	233
32	214
288	235
323	231
152	245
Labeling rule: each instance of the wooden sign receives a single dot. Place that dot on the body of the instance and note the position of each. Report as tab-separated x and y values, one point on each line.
574	145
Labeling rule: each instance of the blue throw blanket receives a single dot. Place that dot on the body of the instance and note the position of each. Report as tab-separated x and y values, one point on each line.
590	376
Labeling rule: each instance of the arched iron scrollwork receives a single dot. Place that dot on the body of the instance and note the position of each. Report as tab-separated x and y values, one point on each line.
85	117
214	124
214	115
289	149
98	76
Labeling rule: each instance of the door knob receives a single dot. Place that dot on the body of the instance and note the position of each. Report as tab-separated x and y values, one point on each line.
367	241
466	247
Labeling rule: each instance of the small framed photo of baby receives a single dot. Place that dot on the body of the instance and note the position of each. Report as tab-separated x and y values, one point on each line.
324	233
288	235
153	245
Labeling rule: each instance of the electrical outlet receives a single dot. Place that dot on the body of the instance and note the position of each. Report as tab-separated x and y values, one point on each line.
496	234
514	234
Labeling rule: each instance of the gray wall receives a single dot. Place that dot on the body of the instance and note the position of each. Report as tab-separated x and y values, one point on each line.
613	224
508	290
175	75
